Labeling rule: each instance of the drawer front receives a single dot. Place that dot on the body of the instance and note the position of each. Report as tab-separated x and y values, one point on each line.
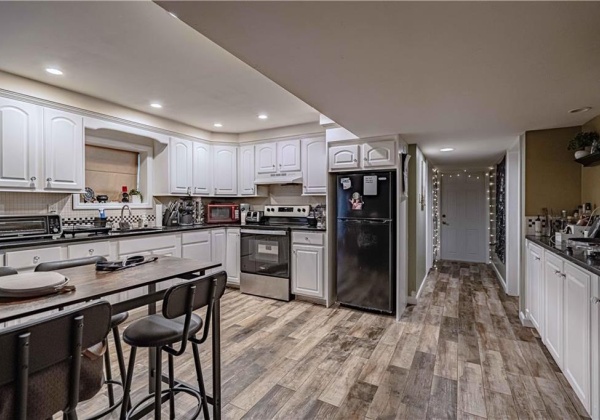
146	243
308	238
32	257
89	249
195	237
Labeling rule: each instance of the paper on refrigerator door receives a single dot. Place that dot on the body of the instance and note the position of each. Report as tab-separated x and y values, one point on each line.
346	183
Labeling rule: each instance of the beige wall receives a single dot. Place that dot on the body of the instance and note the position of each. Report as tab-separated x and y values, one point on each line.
590	177
553	179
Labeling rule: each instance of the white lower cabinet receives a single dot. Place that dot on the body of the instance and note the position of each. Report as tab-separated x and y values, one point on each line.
218	248
577	331
569	321
89	249
553	303
232	257
28	259
196	245
308	264
534	285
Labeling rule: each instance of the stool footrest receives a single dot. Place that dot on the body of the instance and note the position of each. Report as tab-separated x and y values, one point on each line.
165	396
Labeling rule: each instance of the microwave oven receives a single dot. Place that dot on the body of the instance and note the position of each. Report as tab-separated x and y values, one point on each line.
21	227
222	213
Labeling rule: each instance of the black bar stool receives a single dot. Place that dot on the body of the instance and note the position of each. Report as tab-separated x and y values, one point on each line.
116	320
42	370
176	324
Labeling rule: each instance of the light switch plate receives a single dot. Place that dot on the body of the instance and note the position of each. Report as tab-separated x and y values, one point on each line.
52	208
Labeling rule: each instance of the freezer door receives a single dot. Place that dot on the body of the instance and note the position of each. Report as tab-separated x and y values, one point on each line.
366	274
367	195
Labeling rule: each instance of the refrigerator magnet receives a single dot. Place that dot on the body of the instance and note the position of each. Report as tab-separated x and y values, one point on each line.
356	201
346	183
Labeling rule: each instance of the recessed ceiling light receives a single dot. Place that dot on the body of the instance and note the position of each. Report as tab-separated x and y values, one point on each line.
54	71
263	116
155	105
218	125
446	149
578	110
174	15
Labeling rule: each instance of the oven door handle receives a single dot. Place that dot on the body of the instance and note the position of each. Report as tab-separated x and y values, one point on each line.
264	232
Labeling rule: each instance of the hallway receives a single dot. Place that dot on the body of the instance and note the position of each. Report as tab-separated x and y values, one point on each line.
460	353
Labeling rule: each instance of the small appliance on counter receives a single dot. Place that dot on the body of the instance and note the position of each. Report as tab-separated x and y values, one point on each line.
186	211
30	227
222	213
255	217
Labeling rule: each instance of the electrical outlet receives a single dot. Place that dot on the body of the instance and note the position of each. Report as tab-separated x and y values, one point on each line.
52	208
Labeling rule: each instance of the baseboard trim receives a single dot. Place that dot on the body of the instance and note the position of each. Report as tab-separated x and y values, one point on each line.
421	287
502	281
524	321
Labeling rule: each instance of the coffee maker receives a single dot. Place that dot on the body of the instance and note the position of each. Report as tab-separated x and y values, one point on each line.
186	212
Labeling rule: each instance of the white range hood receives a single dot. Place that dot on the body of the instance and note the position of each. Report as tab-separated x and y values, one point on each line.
280	178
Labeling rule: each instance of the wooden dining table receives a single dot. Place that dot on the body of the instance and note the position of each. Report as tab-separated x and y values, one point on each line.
92	285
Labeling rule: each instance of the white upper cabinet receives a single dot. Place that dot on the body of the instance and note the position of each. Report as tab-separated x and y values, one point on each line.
288	156
180	165
246	171
19	139
344	157
225	170
63	150
266	158
379	153
202	169
314	166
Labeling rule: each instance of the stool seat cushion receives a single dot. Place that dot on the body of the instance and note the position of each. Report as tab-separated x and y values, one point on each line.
156	330
118	319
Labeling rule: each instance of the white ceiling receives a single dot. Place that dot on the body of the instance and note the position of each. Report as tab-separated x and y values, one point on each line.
132	53
468	75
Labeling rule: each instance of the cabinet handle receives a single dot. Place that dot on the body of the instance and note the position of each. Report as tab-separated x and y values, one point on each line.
294	251
33	178
365	159
91	251
36	259
49	179
595	300
557	272
355	160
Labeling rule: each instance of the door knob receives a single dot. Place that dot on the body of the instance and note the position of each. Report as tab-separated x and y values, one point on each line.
595	300
49	179
33	178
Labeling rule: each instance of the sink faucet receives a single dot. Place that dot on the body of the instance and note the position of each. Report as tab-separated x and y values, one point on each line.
123	225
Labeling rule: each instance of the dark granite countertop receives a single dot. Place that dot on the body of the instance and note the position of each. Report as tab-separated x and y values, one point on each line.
577	256
31	243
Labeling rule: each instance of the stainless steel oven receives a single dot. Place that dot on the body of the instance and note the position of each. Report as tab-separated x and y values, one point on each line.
265	263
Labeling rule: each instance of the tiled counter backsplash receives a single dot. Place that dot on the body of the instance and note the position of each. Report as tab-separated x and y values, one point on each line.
38	203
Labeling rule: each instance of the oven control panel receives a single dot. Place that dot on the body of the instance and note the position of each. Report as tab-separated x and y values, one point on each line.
287	211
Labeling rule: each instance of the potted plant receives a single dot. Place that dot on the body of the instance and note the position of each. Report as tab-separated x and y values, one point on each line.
583	142
136	196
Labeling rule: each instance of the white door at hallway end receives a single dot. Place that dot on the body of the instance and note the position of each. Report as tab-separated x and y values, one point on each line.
464	207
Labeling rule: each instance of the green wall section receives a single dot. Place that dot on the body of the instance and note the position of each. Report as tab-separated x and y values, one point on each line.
416	220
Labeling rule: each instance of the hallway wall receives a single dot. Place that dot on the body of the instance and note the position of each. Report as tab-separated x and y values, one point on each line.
417	219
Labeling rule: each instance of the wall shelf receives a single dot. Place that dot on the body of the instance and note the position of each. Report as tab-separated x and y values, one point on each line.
590	160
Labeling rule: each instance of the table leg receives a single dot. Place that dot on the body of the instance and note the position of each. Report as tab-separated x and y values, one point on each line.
151	351
216	362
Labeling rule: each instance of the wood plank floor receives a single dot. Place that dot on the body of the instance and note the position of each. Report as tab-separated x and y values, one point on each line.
460	353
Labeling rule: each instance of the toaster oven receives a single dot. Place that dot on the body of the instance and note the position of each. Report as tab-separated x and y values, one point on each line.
34	226
222	213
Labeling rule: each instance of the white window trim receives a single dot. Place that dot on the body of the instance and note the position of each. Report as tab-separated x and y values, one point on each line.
147	167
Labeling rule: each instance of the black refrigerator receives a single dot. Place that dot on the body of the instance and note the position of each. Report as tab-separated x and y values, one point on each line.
366	241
